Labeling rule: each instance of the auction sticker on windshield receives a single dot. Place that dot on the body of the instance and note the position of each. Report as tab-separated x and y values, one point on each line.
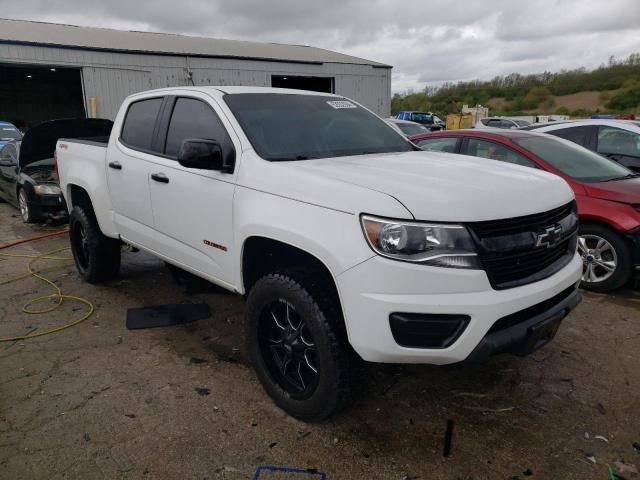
341	104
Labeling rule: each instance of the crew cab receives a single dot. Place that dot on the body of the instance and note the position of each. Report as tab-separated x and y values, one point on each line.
346	239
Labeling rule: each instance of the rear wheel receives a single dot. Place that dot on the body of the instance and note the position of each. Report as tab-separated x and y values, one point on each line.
606	258
295	349
96	256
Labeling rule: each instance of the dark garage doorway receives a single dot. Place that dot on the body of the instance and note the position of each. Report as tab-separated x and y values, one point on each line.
316	84
32	94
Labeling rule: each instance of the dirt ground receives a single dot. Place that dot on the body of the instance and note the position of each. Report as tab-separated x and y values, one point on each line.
100	401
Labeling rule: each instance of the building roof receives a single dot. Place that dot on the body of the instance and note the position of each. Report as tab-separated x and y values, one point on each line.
91	38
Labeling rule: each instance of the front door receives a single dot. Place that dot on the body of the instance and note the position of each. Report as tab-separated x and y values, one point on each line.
192	208
620	145
8	172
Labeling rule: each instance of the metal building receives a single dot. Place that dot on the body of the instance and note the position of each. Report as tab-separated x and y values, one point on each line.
50	70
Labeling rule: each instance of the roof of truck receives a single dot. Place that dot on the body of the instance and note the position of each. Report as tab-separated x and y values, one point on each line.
216	90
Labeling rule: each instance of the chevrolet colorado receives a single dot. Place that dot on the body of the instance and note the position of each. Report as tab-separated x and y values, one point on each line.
347	240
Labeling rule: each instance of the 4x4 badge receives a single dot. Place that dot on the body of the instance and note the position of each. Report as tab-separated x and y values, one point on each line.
551	236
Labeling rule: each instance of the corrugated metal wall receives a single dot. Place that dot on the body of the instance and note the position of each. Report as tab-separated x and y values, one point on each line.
110	77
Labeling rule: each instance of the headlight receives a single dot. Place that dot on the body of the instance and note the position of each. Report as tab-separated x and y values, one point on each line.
47	190
438	245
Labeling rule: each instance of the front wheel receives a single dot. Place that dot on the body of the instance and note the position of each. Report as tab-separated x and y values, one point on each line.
26	212
96	256
295	349
606	258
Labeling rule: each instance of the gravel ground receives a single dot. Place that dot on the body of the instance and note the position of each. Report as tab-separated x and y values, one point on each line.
100	401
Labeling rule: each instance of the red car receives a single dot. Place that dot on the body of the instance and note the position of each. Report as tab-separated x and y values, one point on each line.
608	194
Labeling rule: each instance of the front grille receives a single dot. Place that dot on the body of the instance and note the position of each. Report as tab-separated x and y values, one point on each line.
510	226
507	248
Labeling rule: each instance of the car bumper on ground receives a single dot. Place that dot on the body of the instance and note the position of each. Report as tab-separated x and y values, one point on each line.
376	291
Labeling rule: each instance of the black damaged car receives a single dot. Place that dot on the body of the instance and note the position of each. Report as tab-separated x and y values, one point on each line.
28	176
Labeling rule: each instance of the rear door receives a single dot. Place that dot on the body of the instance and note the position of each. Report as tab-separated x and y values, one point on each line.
130	161
192	208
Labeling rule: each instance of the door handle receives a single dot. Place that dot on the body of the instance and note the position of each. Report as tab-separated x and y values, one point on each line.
115	165
160	177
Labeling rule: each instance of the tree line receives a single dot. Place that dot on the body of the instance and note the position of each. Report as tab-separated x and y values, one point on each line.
619	80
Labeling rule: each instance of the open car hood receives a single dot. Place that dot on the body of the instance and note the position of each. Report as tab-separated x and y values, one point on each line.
39	143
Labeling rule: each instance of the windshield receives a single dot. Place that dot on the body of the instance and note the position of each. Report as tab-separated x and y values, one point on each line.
422	117
300	127
9	132
522	123
409	129
574	160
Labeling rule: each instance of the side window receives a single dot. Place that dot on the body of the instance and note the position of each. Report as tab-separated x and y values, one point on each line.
137	130
494	123
193	118
439	144
494	151
9	153
615	141
507	124
577	135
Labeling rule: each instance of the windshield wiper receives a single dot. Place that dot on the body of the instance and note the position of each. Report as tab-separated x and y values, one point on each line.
631	175
290	159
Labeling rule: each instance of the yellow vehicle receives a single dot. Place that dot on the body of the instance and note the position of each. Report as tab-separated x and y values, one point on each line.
456	121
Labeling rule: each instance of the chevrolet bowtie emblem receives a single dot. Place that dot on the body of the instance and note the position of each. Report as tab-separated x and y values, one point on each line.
550	237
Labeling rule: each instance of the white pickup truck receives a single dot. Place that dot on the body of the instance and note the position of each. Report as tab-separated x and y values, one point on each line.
347	240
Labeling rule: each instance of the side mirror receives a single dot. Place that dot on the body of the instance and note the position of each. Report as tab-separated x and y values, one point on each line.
204	155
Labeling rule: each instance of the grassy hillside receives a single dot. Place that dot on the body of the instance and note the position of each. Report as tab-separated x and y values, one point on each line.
611	88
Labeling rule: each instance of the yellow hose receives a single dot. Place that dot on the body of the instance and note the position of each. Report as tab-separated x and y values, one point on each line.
57	297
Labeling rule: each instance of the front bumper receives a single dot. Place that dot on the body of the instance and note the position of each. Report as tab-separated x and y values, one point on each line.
430	290
634	238
49	207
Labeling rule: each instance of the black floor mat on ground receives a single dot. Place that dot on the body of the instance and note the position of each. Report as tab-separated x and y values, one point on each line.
166	315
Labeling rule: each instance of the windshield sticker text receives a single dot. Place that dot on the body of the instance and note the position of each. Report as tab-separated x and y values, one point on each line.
341	104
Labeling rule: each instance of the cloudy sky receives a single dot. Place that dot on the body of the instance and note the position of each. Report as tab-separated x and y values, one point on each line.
427	41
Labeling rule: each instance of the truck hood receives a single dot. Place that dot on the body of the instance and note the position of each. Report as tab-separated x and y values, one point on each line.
622	191
445	187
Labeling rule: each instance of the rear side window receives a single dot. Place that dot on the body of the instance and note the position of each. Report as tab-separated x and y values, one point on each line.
447	145
575	134
495	151
193	119
139	123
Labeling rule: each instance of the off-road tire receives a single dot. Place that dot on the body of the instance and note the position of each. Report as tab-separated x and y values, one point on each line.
97	257
334	358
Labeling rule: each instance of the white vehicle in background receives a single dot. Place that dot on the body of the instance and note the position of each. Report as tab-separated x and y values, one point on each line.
618	140
501	122
406	127
346	239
